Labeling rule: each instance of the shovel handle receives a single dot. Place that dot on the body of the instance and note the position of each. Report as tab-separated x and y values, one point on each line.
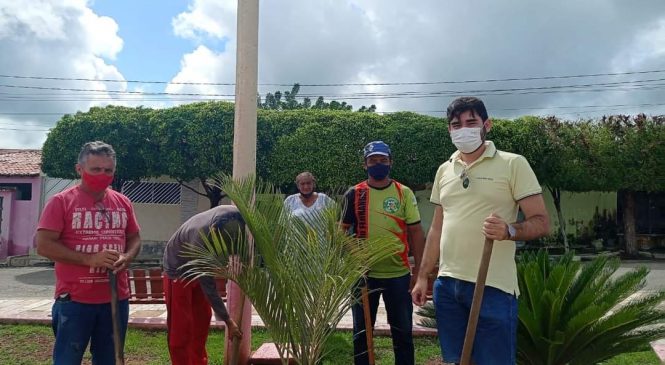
369	331
117	344
477	301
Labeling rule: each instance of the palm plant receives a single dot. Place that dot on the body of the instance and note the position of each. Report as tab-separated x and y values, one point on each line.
428	315
299	274
571	313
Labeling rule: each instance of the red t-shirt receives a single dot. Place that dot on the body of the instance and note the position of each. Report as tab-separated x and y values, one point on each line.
86	226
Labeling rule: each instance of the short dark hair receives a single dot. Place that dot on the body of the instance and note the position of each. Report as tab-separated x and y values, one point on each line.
97	148
466	103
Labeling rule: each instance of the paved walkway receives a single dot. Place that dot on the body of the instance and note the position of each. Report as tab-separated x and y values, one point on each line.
25	298
153	316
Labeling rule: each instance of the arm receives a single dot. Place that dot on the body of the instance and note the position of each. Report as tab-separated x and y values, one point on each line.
49	246
536	222
132	249
210	290
221	314
417	243
429	258
348	214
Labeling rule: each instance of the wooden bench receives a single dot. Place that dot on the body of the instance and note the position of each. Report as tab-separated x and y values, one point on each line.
146	286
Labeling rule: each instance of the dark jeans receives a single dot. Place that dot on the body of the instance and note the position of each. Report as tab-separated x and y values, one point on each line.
495	342
75	324
399	308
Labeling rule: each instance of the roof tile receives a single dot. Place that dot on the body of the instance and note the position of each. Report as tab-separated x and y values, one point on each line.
20	162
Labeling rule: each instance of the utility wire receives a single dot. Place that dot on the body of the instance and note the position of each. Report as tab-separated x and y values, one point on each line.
532	78
410	94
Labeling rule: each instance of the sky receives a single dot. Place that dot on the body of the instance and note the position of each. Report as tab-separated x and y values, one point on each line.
572	59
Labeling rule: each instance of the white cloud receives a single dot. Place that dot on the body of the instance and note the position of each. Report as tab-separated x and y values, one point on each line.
647	46
204	66
350	41
214	19
62	38
102	35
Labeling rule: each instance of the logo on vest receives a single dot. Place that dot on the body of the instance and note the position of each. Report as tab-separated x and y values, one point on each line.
391	205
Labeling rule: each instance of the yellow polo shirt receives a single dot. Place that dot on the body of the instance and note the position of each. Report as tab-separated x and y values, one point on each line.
497	181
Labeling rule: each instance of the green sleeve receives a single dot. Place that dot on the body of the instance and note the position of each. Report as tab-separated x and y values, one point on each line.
411	207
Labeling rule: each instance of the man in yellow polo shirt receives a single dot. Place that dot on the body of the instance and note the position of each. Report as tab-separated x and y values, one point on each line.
478	193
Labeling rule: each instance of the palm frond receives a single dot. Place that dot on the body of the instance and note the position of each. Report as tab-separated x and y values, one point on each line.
299	274
583	314
428	312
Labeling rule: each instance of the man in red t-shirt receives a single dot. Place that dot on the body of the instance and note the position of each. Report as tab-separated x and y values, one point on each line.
88	230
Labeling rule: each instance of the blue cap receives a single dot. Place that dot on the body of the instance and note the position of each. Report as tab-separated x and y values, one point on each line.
376	148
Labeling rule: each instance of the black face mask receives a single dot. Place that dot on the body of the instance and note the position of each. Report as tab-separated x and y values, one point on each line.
378	171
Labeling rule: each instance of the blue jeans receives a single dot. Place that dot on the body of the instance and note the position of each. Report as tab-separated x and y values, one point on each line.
495	342
399	309
75	324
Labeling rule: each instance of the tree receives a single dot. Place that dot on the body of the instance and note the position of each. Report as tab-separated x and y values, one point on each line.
331	151
419	144
563	162
290	102
630	151
128	130
298	274
273	125
196	141
337	163
275	102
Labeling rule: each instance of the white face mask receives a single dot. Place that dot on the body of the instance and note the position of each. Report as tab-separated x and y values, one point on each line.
466	140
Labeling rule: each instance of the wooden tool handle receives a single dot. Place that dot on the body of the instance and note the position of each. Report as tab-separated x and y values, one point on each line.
117	344
369	331
477	301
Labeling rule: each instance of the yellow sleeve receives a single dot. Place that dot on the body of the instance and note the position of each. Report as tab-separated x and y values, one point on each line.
436	187
523	181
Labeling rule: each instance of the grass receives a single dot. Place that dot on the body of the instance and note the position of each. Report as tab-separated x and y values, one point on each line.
32	345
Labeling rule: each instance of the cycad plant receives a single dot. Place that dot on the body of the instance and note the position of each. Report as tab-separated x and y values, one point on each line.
574	313
428	315
299	274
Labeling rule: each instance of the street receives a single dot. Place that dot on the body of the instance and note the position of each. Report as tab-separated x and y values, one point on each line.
39	281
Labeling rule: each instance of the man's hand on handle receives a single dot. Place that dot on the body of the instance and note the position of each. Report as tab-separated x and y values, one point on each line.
122	263
104	258
233	329
495	228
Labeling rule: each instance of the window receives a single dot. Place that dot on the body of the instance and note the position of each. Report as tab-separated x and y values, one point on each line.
152	192
23	190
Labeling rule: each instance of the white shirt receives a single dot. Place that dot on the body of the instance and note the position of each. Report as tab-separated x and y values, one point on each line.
295	206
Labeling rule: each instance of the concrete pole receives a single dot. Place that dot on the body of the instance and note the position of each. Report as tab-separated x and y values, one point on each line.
244	154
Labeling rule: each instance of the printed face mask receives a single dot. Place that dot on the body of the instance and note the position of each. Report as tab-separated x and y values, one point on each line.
466	140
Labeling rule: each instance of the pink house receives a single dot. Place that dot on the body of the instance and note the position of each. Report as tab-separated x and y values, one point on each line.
21	183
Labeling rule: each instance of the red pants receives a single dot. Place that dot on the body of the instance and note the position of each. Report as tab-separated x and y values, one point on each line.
188	321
